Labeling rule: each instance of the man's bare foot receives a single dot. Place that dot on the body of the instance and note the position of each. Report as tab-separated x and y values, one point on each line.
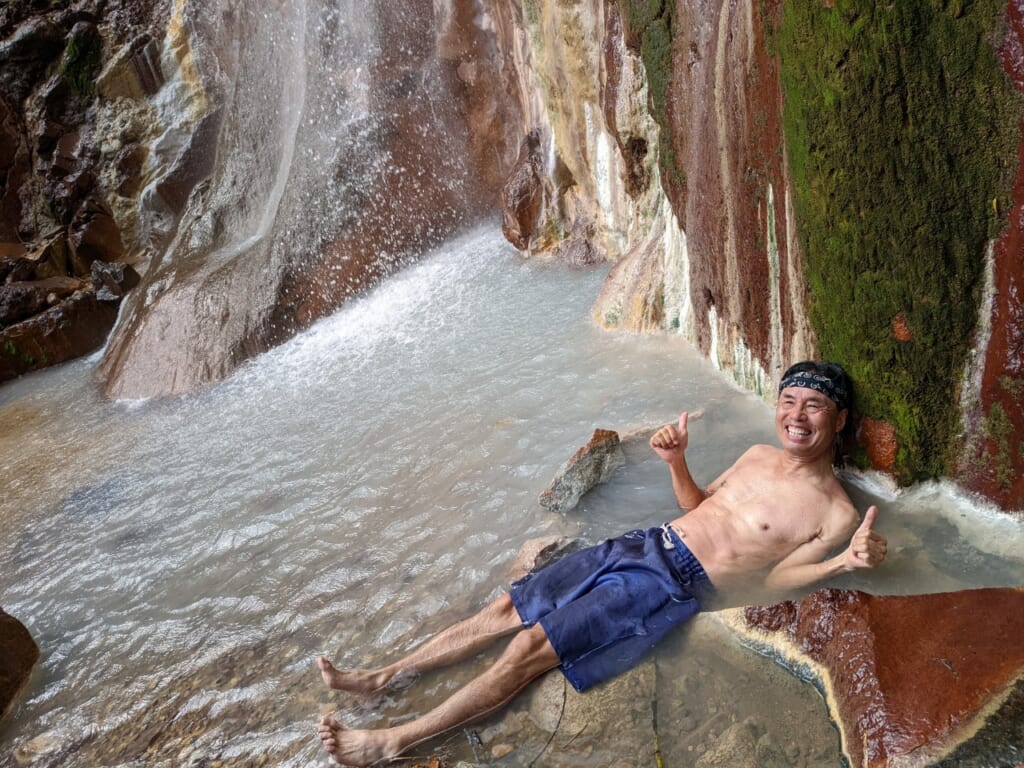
353	748
352	680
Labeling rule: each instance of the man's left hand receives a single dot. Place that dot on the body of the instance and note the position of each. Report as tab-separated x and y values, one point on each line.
867	547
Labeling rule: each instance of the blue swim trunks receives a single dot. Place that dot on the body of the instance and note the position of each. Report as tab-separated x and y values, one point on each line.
604	607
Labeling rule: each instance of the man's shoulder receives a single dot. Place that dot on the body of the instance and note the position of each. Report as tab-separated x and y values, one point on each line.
761	451
842	514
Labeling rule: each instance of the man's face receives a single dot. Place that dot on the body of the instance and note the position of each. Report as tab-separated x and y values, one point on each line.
807	421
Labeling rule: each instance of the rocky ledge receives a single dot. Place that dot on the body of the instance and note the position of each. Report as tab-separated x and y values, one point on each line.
922	680
59	300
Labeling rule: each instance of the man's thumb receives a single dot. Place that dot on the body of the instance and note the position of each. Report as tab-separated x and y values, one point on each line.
682	420
869	518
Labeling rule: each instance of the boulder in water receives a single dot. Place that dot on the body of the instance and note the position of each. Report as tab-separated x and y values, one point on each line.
591	465
18	655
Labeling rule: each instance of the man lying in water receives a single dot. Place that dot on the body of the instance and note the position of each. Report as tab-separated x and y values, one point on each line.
777	513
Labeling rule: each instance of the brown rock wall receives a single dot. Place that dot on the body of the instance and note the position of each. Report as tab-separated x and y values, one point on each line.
726	131
910	680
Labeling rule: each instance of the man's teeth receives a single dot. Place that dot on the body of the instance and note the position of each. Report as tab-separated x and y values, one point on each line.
795	431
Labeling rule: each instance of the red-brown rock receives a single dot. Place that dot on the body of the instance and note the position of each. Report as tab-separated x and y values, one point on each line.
19	301
992	462
94	235
910	680
18	654
878	439
522	197
75	327
901	330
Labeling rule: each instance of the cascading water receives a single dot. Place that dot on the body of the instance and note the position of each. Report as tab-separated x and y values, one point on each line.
336	150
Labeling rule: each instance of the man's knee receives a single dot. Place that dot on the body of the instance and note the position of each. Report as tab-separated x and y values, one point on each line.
530	650
504	612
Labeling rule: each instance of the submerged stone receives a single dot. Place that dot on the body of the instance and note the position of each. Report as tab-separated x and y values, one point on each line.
910	681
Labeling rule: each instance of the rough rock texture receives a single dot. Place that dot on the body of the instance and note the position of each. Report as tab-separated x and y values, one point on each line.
622	705
678	173
536	553
591	465
57	165
18	655
910	680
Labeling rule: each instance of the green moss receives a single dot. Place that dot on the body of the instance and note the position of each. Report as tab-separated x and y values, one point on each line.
652	23
997	427
898	120
81	62
1012	385
531	15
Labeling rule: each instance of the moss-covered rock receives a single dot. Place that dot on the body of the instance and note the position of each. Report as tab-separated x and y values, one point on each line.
901	130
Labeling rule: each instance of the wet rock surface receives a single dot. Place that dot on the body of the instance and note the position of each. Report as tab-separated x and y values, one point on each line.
18	655
911	680
60	300
591	465
522	196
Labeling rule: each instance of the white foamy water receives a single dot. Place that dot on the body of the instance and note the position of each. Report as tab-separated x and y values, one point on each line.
181	562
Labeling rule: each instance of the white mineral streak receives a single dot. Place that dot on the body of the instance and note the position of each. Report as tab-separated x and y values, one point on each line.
180	104
802	343
678	304
974	366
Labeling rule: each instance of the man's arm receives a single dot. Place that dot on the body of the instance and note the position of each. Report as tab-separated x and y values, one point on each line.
670	443
806	565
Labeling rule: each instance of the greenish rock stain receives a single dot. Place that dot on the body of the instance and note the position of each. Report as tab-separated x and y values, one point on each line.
901	131
652	22
81	63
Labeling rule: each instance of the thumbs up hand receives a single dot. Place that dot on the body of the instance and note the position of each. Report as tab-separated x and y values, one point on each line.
867	547
671	440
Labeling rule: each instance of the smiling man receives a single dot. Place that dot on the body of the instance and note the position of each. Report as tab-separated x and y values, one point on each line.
776	515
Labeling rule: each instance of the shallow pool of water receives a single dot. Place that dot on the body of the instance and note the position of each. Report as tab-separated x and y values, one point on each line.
181	562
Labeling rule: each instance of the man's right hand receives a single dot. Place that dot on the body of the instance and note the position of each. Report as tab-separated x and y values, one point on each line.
670	441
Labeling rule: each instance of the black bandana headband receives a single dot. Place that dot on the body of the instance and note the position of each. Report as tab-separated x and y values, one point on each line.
819	382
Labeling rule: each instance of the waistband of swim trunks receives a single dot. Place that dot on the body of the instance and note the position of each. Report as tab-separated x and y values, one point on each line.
690	569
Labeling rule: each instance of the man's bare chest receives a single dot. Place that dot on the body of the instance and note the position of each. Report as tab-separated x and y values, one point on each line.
770	508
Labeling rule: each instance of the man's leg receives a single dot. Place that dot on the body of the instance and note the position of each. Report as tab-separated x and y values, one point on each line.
458	642
527	656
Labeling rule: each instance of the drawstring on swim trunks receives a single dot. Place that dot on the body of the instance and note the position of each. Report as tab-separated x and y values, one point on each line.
666	539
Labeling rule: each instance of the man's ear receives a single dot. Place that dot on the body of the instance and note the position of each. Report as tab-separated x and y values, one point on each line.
841	420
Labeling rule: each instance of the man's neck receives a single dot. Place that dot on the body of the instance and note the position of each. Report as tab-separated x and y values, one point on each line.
807	466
